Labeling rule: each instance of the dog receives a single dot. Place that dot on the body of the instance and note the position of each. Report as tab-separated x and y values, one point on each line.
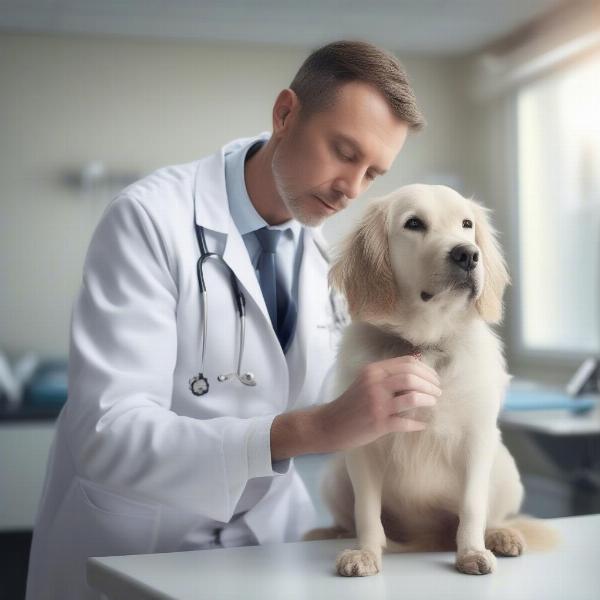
423	275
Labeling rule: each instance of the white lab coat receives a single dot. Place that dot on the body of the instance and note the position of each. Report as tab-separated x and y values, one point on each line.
139	464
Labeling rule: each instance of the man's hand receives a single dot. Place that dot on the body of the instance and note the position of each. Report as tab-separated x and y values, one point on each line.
371	407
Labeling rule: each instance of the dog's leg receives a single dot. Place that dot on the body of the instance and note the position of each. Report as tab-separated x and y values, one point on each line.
472	556
506	498
367	479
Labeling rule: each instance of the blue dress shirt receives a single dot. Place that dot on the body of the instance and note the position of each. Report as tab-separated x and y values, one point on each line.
247	220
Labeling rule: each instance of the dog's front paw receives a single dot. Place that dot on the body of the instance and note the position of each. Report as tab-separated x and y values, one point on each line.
476	562
505	541
358	563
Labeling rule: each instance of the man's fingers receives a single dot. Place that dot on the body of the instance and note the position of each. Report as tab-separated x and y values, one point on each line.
410	382
410	400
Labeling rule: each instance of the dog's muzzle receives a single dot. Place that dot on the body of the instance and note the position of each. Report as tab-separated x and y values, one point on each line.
465	256
461	275
464	259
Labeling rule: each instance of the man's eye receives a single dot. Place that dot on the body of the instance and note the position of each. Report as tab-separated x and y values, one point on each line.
468	224
343	156
414	223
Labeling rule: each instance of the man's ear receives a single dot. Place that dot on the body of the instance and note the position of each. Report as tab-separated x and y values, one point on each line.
285	104
361	269
496	276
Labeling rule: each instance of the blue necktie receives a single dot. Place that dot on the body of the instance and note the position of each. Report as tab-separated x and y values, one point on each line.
281	307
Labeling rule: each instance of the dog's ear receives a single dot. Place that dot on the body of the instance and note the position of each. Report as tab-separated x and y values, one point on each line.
496	276
361	268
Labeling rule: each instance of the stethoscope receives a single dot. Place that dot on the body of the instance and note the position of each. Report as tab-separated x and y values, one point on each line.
199	383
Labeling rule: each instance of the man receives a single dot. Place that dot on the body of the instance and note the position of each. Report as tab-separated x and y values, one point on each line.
159	447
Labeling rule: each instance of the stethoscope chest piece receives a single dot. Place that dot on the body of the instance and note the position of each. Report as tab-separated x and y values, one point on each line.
199	385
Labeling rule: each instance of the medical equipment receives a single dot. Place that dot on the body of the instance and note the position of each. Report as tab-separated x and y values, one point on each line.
199	384
14	379
586	378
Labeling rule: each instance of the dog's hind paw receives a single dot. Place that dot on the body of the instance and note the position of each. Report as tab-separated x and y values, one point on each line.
505	541
358	563
476	562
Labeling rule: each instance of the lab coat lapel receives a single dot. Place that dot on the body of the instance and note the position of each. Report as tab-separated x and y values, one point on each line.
312	326
210	192
212	212
237	257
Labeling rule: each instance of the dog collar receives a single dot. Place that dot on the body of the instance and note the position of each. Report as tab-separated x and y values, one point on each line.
418	351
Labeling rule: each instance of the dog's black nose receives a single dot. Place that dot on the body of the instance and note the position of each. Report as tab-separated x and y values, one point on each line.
465	256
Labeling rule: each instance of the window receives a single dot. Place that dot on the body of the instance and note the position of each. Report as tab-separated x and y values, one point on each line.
559	211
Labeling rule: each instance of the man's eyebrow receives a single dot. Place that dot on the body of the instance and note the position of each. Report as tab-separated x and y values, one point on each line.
356	147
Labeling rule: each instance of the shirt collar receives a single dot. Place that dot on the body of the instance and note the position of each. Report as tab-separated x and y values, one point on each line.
245	216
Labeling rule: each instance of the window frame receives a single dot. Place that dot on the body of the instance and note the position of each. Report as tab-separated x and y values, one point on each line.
520	353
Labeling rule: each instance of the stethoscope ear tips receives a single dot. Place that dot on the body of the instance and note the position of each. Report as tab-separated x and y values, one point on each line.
246	378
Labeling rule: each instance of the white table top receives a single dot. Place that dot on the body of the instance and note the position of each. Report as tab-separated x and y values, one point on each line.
305	570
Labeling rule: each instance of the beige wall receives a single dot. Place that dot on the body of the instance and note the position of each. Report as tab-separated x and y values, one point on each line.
138	105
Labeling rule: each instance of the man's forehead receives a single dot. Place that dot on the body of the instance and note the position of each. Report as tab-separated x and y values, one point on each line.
361	117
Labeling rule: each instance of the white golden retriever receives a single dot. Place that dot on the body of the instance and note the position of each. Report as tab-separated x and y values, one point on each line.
423	274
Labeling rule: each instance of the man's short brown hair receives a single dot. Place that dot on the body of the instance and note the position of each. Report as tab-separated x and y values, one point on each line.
317	81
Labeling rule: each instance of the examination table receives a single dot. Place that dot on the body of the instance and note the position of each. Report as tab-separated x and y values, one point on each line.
305	570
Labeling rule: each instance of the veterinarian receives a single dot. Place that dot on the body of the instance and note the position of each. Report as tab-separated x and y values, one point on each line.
184	407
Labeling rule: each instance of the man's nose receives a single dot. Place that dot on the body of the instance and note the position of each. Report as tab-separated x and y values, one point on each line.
349	184
466	256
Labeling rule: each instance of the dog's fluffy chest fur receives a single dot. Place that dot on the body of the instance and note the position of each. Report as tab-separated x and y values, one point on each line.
472	374
425	466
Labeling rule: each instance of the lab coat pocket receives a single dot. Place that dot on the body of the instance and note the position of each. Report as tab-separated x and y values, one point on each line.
92	521
108	502
115	524
104	523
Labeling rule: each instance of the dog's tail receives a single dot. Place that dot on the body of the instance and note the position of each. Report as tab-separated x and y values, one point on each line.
538	535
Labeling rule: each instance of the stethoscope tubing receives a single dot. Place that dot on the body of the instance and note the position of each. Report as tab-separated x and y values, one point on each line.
240	300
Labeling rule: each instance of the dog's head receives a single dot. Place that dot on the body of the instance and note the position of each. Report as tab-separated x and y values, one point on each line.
422	251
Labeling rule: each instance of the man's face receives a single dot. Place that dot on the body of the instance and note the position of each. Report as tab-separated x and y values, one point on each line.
324	161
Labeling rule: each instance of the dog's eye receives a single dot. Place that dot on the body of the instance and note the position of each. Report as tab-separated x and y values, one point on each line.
468	224
414	223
